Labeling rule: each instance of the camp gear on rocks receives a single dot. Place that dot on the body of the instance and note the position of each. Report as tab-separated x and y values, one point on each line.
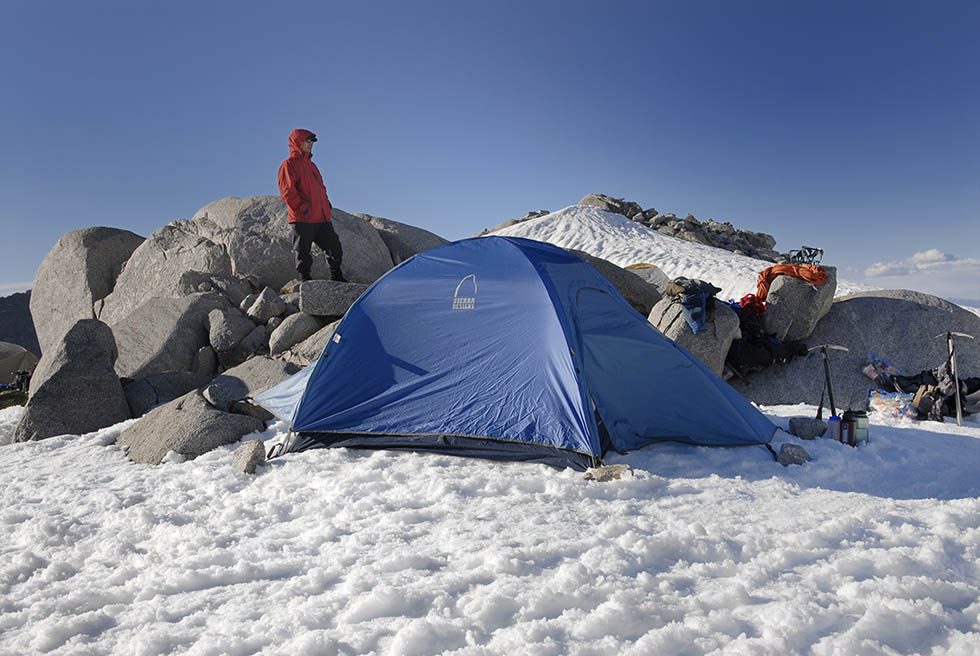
892	404
956	379
697	298
807	272
806	255
880	371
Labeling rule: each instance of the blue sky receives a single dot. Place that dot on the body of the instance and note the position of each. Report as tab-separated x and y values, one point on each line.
852	126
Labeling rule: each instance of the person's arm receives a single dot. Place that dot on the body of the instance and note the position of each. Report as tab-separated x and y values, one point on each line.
289	190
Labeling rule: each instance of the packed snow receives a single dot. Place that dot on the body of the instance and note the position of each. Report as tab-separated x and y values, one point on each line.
869	550
622	241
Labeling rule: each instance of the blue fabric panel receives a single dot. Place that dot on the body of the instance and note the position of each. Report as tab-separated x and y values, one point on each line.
646	387
461	340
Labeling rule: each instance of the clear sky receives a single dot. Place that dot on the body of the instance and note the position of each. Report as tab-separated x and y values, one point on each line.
852	126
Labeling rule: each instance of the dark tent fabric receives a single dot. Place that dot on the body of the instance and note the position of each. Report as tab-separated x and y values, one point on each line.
507	348
14	358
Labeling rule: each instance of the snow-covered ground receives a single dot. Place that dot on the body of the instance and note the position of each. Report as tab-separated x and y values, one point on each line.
874	550
615	238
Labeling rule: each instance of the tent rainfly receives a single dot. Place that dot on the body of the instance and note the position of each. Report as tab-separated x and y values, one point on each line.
510	349
14	358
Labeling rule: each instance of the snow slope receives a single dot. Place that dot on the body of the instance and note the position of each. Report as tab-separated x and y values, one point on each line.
615	238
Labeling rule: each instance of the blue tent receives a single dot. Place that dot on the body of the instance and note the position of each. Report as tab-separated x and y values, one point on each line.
507	348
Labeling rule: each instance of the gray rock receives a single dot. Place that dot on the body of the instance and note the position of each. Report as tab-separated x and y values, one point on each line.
189	426
156	269
293	329
246	407
146	393
221	396
403	241
258	240
306	352
807	428
637	292
231	287
248	456
618	205
275	322
74	389
255	343
652	275
205	363
266	306
247	302
898	325
327	298
16	324
711	345
793	306
227	328
164	334
792	454
254	377
80	270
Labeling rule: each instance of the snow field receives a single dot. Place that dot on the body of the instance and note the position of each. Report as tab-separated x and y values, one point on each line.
621	241
871	551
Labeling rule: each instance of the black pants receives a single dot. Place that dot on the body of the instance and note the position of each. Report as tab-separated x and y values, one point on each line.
324	236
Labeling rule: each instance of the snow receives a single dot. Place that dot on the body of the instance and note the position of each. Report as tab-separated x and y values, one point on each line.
621	241
873	550
869	550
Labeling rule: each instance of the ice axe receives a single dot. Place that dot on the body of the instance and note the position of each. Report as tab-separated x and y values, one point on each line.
952	365
826	382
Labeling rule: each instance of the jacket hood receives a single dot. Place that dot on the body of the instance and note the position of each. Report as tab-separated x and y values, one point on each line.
296	139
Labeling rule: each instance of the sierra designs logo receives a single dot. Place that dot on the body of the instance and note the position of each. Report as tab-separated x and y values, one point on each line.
465	301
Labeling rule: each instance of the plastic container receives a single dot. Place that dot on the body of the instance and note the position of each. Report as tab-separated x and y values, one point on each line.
834	428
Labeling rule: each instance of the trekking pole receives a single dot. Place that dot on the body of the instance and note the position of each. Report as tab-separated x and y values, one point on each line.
826	370
952	366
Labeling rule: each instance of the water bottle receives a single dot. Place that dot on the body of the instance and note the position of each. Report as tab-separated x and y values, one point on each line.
834	428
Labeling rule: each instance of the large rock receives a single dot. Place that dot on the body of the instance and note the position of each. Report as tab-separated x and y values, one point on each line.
74	389
710	345
157	269
293	330
258	239
637	291
147	393
897	325
794	306
80	269
403	240
651	274
265	306
248	379
327	298
227	327
188	426
164	334
308	351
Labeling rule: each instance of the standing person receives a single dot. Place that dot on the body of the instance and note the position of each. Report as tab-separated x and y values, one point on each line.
309	210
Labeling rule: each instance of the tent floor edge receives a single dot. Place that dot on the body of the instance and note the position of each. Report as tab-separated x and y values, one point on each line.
452	445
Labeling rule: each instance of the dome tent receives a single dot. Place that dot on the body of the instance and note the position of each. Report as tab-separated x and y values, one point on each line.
506	348
14	358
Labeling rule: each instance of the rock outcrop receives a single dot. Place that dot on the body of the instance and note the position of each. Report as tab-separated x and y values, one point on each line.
16	324
794	306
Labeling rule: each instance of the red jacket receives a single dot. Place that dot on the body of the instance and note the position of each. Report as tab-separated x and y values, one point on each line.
301	185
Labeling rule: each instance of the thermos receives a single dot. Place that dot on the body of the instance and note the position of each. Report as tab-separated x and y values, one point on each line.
857	429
